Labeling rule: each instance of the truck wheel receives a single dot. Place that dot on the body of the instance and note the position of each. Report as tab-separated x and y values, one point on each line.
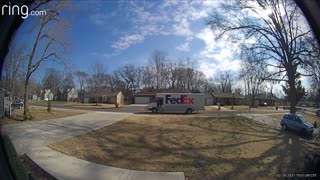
284	127
189	111
154	110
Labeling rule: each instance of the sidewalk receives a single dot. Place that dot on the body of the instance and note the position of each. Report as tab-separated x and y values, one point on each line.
32	138
62	166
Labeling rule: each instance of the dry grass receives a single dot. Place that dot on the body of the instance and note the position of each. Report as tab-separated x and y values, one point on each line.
95	106
246	108
238	107
202	148
307	116
76	104
38	115
45	103
211	108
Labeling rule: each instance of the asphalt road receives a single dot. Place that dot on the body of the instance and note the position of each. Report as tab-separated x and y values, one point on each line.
127	109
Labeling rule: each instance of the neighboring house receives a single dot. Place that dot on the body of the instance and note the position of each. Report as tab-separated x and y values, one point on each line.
5	103
47	95
34	97
85	100
227	98
108	97
143	97
113	98
263	99
72	94
209	99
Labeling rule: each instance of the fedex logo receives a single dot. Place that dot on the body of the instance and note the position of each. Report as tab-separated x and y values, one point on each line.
182	100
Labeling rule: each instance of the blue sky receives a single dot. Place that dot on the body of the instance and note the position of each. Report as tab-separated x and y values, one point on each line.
127	32
116	33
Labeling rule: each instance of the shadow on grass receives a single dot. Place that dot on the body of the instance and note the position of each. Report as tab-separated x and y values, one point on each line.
166	113
202	148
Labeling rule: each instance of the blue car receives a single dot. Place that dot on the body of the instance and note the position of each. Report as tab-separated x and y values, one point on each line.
298	123
17	104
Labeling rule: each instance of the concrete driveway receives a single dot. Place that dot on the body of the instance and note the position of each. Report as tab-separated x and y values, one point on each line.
30	135
32	138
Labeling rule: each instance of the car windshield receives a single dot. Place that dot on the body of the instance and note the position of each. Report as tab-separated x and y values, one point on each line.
302	118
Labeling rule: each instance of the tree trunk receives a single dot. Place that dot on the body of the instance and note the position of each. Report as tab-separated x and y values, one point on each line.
25	100
292	92
252	100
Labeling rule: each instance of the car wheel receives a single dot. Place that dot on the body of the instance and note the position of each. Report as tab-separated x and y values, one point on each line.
303	132
154	110
189	111
284	127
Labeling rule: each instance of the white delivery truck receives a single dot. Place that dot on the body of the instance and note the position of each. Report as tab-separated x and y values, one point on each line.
177	103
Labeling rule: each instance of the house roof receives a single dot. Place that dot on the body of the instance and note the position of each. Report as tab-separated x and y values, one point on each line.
142	93
169	91
265	97
226	95
152	92
209	95
5	92
112	94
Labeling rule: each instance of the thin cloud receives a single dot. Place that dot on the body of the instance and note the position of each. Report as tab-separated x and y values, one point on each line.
126	41
183	47
168	18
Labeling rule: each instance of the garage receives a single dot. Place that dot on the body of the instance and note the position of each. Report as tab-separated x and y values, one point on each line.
143	97
142	100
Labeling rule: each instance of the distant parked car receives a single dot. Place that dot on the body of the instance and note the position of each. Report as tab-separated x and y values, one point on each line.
318	112
17	104
297	123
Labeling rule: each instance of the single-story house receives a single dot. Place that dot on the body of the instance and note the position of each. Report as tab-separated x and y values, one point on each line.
47	95
107	97
144	97
85	100
34	97
227	98
114	97
209	99
265	100
72	94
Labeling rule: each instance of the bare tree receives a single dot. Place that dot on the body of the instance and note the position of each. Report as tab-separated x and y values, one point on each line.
53	80
12	70
253	73
67	84
139	78
99	81
46	44
148	77
225	82
117	84
159	62
81	79
279	30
